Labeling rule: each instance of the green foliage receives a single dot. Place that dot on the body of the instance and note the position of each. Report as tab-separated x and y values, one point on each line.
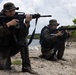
68	26
36	36
16	62
74	21
73	33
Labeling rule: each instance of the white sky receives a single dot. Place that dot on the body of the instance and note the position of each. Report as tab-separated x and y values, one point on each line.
62	10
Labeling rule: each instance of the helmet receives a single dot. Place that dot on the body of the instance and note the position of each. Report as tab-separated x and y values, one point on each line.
53	22
9	6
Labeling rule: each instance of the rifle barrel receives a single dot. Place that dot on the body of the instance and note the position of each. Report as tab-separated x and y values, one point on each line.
67	28
45	15
71	28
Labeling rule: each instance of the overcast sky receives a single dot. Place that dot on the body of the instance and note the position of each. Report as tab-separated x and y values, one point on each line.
62	10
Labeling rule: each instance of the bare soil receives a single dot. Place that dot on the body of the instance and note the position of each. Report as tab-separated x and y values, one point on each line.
44	67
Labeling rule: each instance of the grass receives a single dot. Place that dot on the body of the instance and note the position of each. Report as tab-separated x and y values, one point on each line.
17	62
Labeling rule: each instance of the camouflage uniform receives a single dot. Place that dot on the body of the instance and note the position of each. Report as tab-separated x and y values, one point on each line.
8	45
52	47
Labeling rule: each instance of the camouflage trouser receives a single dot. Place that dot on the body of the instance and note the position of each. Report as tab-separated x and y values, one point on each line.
55	49
47	53
5	60
61	50
7	53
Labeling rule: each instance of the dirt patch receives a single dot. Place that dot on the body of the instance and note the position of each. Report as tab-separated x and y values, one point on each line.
44	67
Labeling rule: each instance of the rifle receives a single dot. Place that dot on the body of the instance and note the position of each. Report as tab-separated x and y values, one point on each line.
21	16
62	28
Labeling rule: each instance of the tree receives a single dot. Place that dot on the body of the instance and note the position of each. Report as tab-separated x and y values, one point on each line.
74	21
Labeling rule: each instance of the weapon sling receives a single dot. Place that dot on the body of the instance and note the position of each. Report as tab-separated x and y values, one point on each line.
31	38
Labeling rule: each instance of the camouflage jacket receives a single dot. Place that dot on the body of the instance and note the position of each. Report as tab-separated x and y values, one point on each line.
46	38
6	35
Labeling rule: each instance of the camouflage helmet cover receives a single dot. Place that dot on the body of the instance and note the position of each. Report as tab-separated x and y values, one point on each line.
9	6
53	22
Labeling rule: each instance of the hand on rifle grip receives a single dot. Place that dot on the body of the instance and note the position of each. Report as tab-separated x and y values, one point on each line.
59	33
13	22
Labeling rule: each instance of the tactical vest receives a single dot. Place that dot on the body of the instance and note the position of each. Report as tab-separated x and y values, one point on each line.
42	40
